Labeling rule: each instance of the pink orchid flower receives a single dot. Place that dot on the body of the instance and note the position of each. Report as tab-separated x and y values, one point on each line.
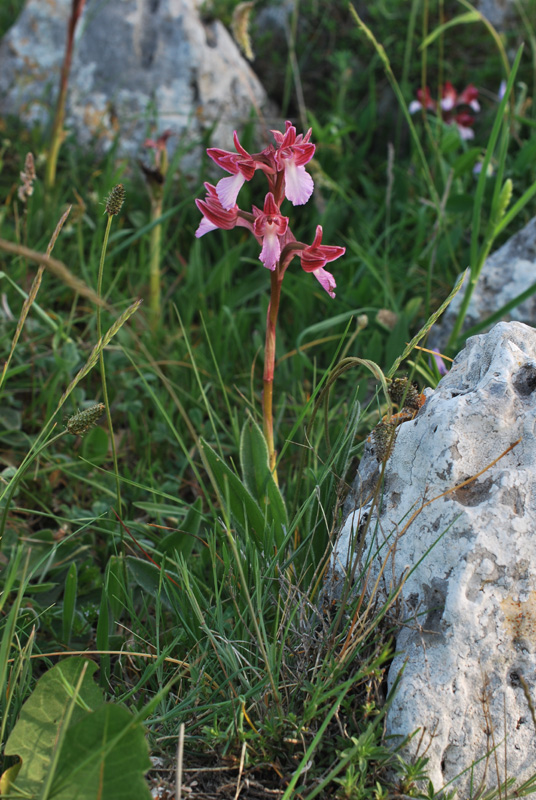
268	227
242	167
291	156
214	215
424	100
449	107
451	99
315	257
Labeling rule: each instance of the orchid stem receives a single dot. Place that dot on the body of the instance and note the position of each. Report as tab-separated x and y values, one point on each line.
155	251
58	133
269	365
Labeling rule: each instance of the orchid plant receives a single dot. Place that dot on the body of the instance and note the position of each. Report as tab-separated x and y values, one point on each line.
284	168
452	107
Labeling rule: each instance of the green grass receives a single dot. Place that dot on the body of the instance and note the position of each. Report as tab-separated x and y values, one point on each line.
9	11
220	601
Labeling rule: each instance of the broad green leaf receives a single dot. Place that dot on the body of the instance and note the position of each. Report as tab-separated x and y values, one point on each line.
234	495
103	751
255	464
34	736
183	540
104	758
149	577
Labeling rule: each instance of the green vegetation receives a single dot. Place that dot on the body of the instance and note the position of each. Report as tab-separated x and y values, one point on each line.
194	578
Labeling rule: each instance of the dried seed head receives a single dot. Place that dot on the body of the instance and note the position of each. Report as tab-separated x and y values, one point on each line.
240	28
115	200
383	437
27	177
402	392
83	421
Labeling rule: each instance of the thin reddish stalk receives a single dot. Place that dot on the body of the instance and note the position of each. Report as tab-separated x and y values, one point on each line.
269	364
56	138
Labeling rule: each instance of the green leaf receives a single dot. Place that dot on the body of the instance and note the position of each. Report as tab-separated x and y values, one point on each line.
255	464
183	540
149	577
464	164
115	586
234	496
103	753
34	736
104	758
95	446
10	419
8	777
69	602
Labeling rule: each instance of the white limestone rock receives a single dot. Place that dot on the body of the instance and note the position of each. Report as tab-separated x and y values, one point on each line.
468	609
507	273
136	64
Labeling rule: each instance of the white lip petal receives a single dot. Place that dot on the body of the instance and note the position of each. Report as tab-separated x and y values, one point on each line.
228	189
466	133
271	250
204	227
298	183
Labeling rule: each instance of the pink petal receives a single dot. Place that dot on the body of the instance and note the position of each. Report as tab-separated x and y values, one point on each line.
469	97
280	137
228	188
298	183
326	280
223	158
414	106
205	226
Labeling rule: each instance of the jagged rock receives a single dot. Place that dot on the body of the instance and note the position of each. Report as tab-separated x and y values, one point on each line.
136	64
466	639
507	273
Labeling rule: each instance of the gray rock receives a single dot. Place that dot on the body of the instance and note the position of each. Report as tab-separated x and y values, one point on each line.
466	557
139	66
500	13
507	273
